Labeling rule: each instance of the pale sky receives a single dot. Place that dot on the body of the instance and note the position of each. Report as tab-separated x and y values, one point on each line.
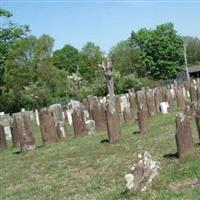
103	22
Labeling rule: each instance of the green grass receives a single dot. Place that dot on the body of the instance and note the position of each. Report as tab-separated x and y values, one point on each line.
85	168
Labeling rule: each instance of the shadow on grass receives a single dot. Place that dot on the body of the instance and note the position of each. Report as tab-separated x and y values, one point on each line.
197	144
171	155
104	141
17	152
136	132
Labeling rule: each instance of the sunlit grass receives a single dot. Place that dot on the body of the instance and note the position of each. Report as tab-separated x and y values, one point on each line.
87	168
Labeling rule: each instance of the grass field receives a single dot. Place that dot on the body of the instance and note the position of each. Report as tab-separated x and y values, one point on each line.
90	168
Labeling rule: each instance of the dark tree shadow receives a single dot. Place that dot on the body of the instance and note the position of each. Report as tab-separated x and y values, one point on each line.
171	155
104	141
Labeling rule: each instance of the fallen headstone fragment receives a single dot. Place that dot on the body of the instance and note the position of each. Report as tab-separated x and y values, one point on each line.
143	171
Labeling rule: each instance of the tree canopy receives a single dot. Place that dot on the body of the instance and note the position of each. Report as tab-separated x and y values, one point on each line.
161	49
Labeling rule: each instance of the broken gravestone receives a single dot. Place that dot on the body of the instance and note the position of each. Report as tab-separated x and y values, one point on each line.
143	171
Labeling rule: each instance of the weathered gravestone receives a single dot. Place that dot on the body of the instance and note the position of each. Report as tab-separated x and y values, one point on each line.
197	119
117	103
183	135
143	120
78	122
90	127
150	102
158	98
3	142
58	117
37	117
90	105
198	94
61	130
180	100
143	171
47	126
193	94
164	107
24	130
141	100
57	113
113	121
132	100
123	102
169	100
5	120
99	116
14	133
128	115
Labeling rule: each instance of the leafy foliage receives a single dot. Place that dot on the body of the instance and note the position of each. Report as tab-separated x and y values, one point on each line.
193	50
126	59
161	49
9	33
67	58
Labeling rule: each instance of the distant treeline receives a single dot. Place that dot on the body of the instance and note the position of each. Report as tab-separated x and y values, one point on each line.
33	76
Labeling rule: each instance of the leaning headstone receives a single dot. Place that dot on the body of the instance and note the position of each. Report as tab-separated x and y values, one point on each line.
128	115
90	127
143	171
3	142
78	122
150	102
47	126
143	120
183	135
180	100
113	121
24	130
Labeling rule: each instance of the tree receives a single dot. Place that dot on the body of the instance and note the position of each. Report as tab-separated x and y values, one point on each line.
162	50
193	50
67	58
9	33
91	57
127	59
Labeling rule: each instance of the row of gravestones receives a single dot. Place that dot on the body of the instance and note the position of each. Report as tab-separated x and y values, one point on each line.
98	114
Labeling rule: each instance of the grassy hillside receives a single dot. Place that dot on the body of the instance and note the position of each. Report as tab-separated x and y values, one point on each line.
90	168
